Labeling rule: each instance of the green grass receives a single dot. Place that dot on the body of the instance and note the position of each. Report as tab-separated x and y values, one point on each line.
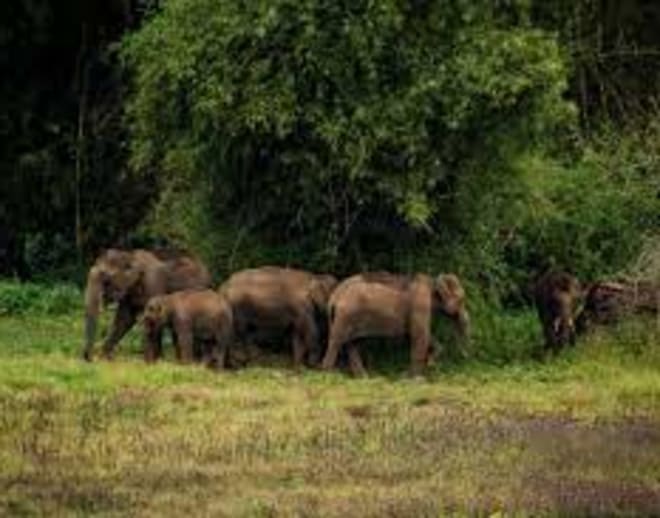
578	434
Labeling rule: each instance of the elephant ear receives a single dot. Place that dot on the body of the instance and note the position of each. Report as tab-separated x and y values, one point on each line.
450	293
321	288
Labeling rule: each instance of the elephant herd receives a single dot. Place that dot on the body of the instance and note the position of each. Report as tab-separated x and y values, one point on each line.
174	291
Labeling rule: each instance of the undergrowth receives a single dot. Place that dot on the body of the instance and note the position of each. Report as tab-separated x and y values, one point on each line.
38	299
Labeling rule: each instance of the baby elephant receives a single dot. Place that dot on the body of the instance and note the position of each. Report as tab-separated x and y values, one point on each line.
203	316
556	296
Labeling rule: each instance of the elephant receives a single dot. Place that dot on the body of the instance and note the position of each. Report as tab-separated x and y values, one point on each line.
607	301
274	300
557	295
382	304
131	278
192	315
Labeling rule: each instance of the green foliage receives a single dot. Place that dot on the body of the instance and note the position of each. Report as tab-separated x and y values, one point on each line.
38	299
589	214
500	337
182	214
310	120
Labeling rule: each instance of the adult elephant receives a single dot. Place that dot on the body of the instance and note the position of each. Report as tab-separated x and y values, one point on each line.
381	304
556	296
274	300
131	278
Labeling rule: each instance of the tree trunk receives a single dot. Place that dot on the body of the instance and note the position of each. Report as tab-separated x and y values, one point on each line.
82	80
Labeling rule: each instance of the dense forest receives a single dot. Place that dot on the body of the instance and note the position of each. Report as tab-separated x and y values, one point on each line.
494	139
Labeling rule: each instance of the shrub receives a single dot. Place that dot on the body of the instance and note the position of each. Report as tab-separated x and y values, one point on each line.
592	214
29	298
317	123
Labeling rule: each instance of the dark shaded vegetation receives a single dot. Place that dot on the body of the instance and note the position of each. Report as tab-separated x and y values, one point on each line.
65	184
299	133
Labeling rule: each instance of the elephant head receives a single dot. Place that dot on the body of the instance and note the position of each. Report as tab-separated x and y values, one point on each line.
557	297
113	275
449	298
155	313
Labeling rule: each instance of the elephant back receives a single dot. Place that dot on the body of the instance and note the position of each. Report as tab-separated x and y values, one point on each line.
184	272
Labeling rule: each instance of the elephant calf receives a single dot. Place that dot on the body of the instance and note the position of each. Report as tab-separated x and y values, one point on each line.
556	295
192	315
387	305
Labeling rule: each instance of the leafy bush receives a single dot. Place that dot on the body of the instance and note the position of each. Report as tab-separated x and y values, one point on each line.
316	123
28	298
591	214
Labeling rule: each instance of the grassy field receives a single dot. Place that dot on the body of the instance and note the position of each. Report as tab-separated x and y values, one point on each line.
577	435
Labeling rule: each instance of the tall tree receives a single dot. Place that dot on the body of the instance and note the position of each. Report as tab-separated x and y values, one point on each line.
61	136
319	119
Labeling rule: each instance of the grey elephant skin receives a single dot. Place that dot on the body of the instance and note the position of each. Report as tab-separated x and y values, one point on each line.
194	317
276	300
381	304
130	278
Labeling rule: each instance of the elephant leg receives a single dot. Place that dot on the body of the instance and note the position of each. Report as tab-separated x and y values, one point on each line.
202	350
175	344
334	345
572	335
547	323
420	342
159	347
355	361
124	319
219	351
305	339
299	350
186	342
434	351
152	346
419	353
314	355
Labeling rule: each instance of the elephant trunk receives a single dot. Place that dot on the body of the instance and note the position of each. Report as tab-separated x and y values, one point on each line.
463	324
564	323
463	328
566	329
93	297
